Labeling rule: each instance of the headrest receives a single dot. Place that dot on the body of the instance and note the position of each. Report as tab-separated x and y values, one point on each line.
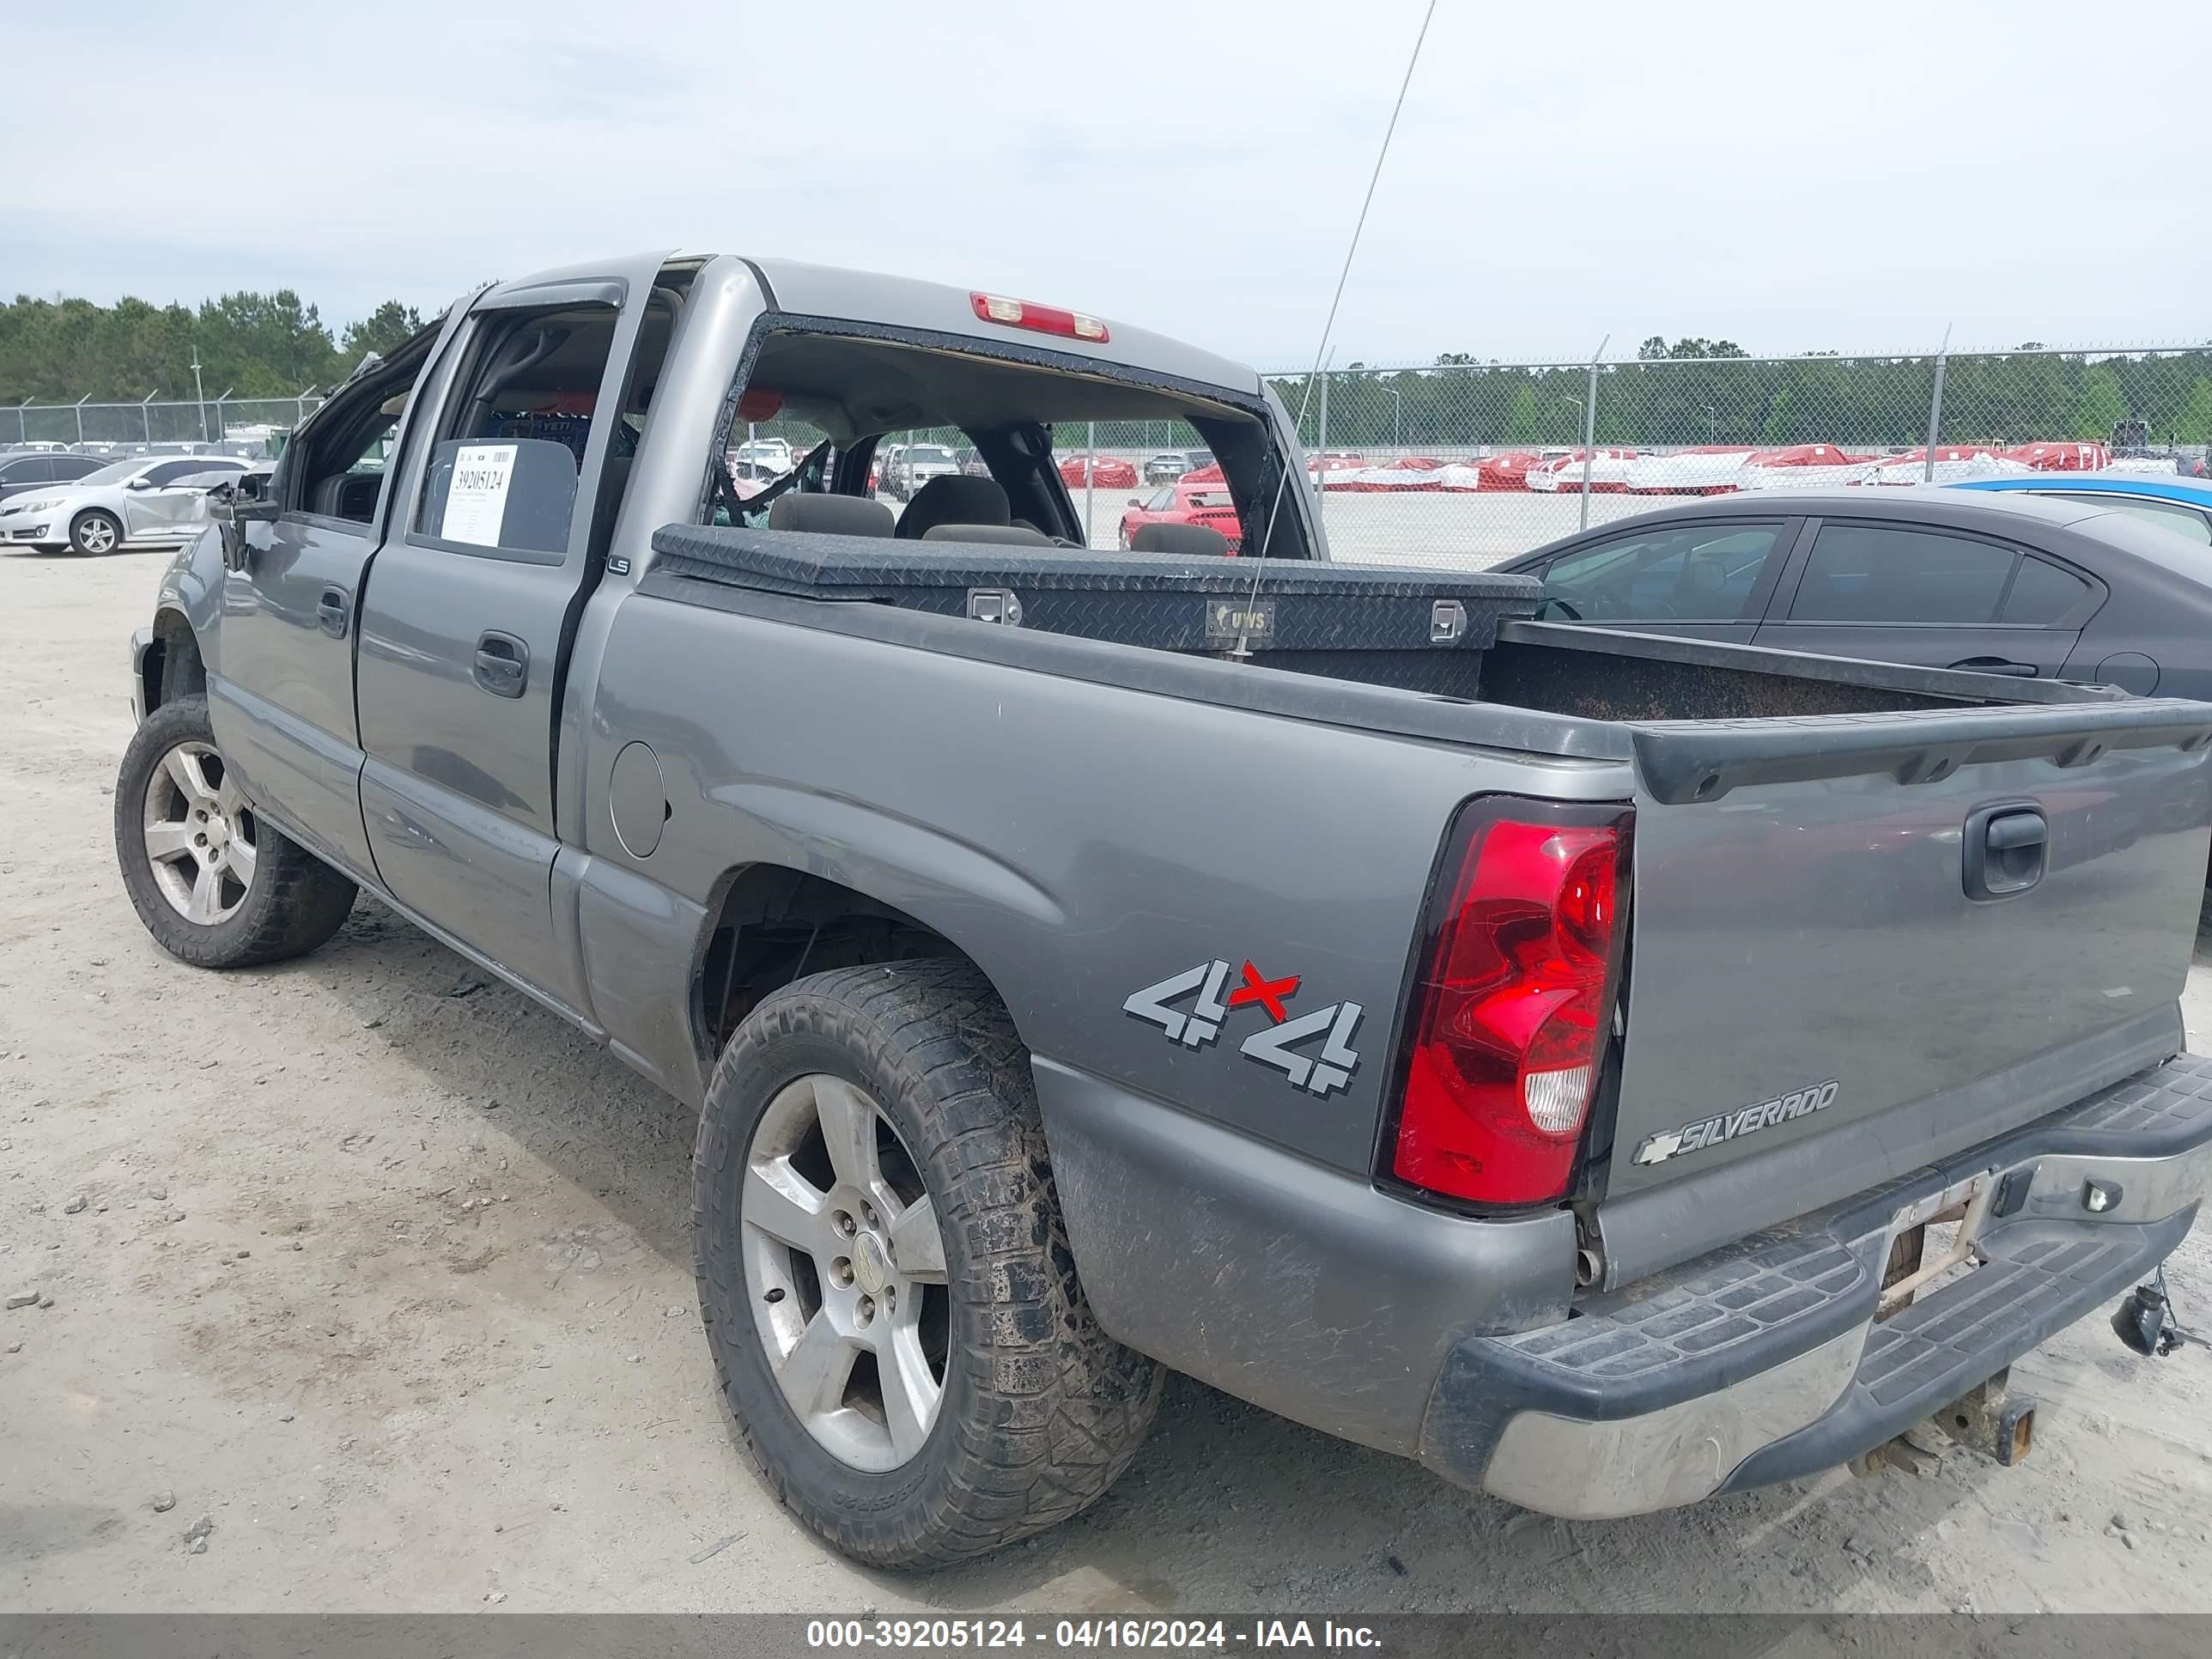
834	515
1182	541
1007	535
955	498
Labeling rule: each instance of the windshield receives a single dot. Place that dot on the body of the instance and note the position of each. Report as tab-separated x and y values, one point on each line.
114	473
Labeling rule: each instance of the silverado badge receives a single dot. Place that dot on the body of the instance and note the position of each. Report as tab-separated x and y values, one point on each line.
1711	1130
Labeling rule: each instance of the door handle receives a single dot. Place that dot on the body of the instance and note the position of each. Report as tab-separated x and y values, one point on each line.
2019	670
2005	848
502	664
332	614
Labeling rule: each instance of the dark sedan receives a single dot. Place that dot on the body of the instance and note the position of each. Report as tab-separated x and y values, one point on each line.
2016	585
27	469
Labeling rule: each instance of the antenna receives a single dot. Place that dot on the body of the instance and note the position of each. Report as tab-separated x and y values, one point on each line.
1268	536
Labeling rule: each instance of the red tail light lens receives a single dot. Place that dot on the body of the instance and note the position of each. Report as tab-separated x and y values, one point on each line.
1045	319
1509	1011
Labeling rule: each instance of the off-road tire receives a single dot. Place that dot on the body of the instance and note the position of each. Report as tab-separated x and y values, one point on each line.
76	541
294	902
1041	1409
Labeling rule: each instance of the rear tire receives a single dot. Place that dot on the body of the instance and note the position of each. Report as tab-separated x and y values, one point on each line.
94	532
1036	1410
215	884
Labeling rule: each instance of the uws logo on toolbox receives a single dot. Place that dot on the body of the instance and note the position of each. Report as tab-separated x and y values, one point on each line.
1327	1068
1711	1130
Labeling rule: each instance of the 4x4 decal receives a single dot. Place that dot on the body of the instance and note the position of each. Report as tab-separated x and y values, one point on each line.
1273	1045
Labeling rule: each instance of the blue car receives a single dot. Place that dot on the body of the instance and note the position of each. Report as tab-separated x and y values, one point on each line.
2181	504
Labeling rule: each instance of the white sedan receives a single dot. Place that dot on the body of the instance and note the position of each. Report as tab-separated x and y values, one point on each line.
150	500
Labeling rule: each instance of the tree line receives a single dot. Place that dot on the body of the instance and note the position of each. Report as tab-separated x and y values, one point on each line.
256	345
1691	391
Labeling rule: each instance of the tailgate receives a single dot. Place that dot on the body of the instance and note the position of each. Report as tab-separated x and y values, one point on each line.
1816	1003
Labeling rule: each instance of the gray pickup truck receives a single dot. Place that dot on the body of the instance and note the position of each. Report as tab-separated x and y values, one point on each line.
1610	1070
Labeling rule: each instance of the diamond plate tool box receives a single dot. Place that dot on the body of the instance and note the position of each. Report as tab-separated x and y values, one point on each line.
1419	630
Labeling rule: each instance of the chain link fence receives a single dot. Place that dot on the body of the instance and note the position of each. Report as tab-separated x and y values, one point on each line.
1464	462
250	425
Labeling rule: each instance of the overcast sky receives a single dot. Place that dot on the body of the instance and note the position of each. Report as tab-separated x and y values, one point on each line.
1786	175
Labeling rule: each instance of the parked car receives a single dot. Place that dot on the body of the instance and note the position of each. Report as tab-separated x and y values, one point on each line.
1107	472
1077	979
1207	504
909	466
2173	502
2061	586
26	470
145	501
775	455
1172	463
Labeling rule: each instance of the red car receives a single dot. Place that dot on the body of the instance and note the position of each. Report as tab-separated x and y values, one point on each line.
1107	473
1185	502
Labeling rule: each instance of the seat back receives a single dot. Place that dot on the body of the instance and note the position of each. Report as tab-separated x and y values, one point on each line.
834	515
953	499
1182	541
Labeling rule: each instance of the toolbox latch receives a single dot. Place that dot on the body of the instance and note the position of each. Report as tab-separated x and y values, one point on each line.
1447	622
995	604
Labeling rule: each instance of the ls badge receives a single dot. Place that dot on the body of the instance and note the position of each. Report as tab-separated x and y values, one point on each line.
1275	1044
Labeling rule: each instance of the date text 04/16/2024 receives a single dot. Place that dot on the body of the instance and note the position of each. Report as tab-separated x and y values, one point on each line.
1166	1635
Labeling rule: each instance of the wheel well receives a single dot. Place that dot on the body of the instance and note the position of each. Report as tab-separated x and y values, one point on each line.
774	925
172	665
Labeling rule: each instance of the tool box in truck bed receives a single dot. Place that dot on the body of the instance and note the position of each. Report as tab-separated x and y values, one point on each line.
1423	630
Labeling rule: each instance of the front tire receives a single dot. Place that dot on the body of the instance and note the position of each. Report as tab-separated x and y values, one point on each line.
94	532
887	1287
215	884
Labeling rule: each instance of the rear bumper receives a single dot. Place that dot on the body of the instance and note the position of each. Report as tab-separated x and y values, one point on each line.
1764	1361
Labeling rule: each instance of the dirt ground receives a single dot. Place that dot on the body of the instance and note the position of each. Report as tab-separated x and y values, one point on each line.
382	1272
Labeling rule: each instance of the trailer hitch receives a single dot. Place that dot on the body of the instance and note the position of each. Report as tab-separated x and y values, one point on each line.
1987	1420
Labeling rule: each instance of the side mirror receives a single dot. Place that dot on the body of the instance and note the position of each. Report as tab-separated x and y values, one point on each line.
1135	502
142	482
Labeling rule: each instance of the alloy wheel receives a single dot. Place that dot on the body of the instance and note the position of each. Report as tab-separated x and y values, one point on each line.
200	835
845	1272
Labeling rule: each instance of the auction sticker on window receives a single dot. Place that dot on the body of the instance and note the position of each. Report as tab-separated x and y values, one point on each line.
476	504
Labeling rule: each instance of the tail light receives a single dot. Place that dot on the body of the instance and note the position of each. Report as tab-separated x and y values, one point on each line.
1512	1000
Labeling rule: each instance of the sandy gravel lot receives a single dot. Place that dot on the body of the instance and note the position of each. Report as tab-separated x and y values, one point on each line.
382	1273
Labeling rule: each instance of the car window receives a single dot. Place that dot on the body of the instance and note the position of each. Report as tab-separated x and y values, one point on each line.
1884	574
2042	593
170	472
1160	501
2181	520
25	469
1696	573
68	467
512	438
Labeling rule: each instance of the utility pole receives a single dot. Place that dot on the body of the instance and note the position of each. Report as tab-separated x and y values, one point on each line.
199	392
1936	409
145	415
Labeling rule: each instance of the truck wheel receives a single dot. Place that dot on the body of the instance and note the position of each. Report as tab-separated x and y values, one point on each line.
887	1287
216	885
95	532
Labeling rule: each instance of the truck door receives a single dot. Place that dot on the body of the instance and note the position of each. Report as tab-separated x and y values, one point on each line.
469	605
282	701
